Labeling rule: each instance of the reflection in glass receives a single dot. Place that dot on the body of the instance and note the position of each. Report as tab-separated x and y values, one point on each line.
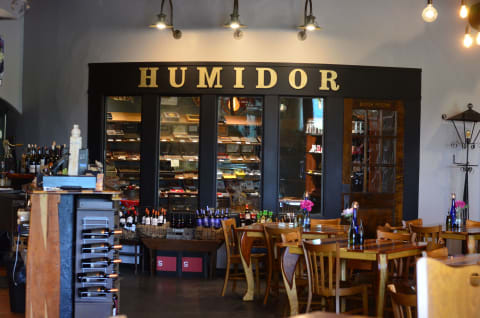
374	179
239	152
388	155
178	161
374	153
374	122
122	155
388	179
301	151
389	122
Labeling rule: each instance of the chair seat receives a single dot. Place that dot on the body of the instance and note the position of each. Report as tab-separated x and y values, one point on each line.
346	289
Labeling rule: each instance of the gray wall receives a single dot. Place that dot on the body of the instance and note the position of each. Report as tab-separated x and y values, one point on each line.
12	33
62	37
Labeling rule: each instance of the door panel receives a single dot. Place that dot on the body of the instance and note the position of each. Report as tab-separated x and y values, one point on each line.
372	171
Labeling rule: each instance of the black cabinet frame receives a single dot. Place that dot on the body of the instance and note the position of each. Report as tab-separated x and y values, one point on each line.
122	79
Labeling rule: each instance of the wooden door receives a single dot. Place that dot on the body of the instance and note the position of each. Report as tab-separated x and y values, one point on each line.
373	160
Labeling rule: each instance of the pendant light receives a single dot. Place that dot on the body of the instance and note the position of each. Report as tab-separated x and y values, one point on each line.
463	10
467	38
309	23
429	14
162	24
234	22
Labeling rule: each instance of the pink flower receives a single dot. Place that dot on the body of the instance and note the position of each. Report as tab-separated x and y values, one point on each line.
306	205
347	212
459	204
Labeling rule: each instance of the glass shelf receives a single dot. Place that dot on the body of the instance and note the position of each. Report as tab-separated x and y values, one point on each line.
239	149
178	159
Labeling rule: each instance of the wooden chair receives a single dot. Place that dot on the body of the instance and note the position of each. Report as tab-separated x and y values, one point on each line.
233	258
398	267
272	237
471	223
323	262
404	305
406	224
447	291
427	233
315	222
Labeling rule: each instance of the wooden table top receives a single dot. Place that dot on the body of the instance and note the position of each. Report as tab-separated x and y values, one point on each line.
371	246
322	314
462	230
319	229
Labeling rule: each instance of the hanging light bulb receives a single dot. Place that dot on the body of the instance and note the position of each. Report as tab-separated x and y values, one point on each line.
478	38
429	14
467	39
463	10
234	22
309	23
161	23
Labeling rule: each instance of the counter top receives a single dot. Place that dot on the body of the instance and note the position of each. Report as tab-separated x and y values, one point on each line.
106	192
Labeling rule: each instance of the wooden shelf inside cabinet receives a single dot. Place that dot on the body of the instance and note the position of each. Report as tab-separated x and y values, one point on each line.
178	194
176	179
183	120
240	143
123	160
315	173
246	178
240	121
314	153
123	141
238	161
119	117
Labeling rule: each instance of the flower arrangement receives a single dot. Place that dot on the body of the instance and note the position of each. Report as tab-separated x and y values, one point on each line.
347	213
460	205
306	205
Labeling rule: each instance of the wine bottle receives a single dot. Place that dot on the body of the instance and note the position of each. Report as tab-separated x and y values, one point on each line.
99	262
448	222
160	219
351	234
360	233
453	211
32	164
93	277
122	220
248	215
96	291
100	233
99	248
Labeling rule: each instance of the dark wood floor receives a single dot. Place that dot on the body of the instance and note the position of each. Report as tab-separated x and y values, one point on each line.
144	296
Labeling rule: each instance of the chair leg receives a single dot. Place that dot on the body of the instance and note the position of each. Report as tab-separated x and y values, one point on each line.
235	270
269	281
227	274
365	300
257	276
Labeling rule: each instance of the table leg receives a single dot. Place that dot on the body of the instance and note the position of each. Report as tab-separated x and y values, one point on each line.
152	262
382	281
245	250
288	265
471	245
343	270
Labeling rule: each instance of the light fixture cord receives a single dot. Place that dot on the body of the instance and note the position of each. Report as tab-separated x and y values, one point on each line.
307	2
235	7
171	14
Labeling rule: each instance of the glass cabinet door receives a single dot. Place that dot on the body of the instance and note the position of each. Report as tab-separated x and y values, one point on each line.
301	152
178	149
239	152
122	152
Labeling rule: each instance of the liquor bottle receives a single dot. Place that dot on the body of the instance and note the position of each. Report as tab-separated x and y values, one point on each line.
121	218
351	234
148	219
270	217
99	262
99	248
248	215
129	219
92	277
355	206
100	233
360	233
242	219
160	218
154	218
226	217
263	217
95	291
218	223
32	158
453	212
448	222
38	160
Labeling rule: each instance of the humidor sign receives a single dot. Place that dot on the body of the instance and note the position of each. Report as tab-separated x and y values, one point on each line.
264	77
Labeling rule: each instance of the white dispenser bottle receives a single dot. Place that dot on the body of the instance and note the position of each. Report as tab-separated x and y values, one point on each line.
75	146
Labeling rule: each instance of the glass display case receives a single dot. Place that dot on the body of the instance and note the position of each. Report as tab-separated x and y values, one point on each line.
301	152
374	134
122	153
178	150
239	152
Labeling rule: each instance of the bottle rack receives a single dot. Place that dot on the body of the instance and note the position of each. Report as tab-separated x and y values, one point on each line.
94	270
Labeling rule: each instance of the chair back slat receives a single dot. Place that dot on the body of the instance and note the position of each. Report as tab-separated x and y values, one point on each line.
321	260
382	235
228	227
427	233
406	224
471	223
315	222
274	235
404	305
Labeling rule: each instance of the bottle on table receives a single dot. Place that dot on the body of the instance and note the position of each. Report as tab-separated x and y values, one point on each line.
248	215
448	222
453	212
360	233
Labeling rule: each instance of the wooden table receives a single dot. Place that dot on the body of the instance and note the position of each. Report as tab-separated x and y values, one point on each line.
248	234
461	260
469	234
200	246
323	314
379	251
